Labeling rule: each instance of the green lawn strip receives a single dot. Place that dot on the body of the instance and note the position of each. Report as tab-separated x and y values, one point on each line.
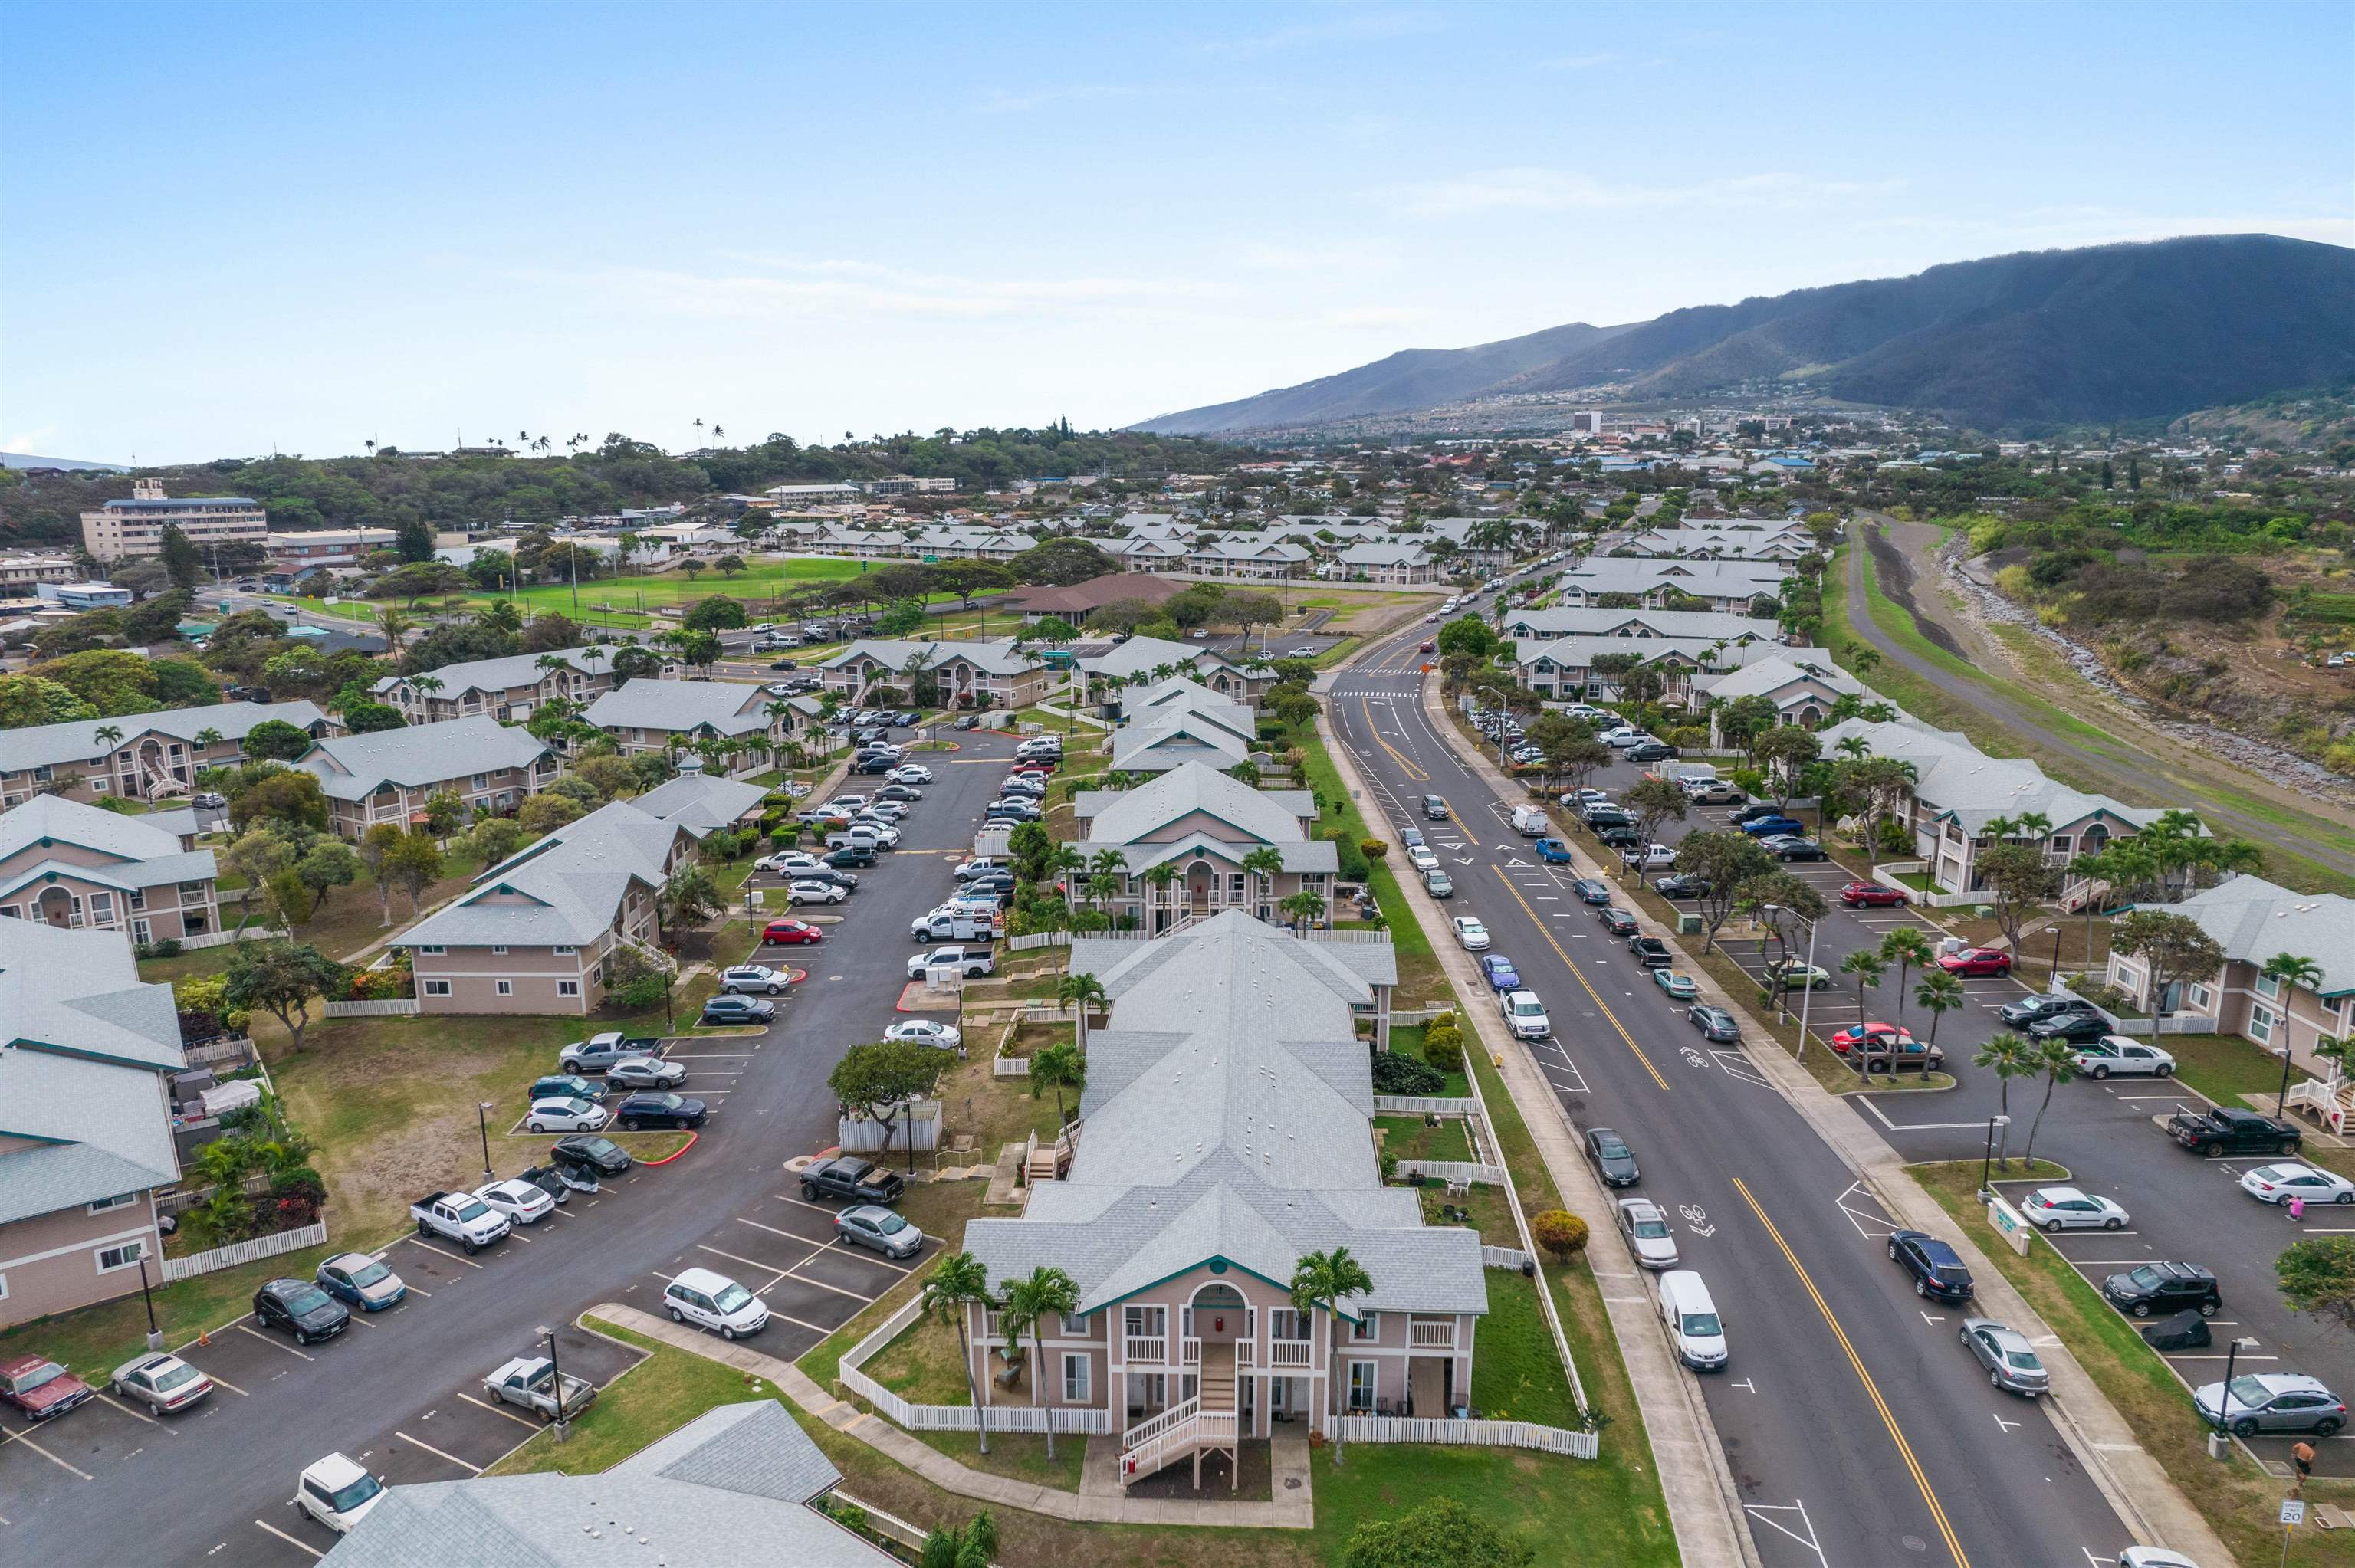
1517	1376
1420	977
2225	1066
1015	1455
648	1401
920	1364
94	1340
2237	1501
1406	1040
1410	1139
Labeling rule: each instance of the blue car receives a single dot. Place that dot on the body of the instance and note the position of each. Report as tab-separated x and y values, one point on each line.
1592	891
1501	972
1553	852
1771	827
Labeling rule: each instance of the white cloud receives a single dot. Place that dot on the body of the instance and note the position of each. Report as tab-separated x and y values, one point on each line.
1567	190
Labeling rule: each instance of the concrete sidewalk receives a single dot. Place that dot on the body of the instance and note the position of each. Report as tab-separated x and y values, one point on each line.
2135	1484
1294	1508
1704	1508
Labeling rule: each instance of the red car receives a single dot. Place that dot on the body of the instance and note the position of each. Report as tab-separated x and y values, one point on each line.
1428	647
1872	895
1879	1034
1033	769
40	1387
1977	962
785	932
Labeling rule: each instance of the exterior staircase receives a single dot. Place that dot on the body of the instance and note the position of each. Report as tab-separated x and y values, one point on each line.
2331	1102
1207	1424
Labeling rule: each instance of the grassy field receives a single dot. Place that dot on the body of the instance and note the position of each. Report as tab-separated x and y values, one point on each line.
94	1340
1409	1139
650	1399
2237	1499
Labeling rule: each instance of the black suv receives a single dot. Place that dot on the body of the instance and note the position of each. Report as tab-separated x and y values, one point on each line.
2077	1028
2164	1288
589	1153
2037	1008
1936	1267
1617	921
860	1181
659	1110
1681	886
302	1308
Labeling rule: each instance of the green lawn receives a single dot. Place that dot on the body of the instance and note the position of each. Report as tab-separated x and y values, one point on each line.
2225	1066
1406	1040
1420	977
651	1400
1015	1455
94	1340
1409	1139
1518	1374
623	602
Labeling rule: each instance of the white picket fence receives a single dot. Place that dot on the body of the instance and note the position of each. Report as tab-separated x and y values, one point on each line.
1470	1434
203	939
1040	939
228	1048
1506	1257
953	1417
1453	1170
1407	1017
1009	1066
919	1123
385	1007
1422	1104
236	1252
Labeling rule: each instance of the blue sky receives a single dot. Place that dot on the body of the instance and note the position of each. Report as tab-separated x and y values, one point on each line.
229	229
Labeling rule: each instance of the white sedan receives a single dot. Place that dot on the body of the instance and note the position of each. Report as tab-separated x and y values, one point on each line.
911	773
566	1116
1471	933
523	1203
793	862
1422	858
2116	1054
2280	1183
2070	1208
924	1032
815	893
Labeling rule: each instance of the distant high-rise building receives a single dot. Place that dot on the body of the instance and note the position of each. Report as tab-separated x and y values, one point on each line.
1586	422
136	527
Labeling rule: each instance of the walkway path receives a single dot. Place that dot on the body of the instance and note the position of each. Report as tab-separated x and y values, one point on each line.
1293	1508
2140	776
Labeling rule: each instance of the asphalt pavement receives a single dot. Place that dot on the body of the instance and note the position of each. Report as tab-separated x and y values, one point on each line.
401	1392
1858	1429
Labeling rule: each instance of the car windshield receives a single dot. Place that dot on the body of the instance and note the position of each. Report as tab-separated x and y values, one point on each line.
2145	1277
1610	1148
1952	1272
178	1377
1699	1324
891	1224
1650	1230
667	1102
729	1300
2024	1359
367	1273
1528	1009
40	1377
357	1493
2247	1391
599	1146
310	1298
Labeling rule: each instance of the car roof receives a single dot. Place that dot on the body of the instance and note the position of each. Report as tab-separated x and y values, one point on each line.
335	1472
1642	1208
347	1259
2291	1382
703	1279
2058	1194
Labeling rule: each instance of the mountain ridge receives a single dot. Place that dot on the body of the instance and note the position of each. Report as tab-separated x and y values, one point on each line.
2150	329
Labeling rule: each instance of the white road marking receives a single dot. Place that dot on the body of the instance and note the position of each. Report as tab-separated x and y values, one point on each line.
274	1344
470	1469
290	1539
134	1415
26	1438
495	1410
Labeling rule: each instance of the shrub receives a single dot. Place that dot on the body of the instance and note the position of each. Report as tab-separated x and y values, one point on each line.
1686	735
1373	848
1400	1075
1443	1044
1352	860
1560	1232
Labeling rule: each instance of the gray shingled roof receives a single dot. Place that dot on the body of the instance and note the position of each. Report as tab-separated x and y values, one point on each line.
730	707
1124	816
76	740
2252	919
87	1041
1168	740
352	767
1953	777
572	881
1236	1127
731	1488
56	819
1582	621
701	802
493	676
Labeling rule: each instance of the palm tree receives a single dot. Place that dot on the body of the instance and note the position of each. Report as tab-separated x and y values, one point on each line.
1245	773
1103	888
110	733
1906	947
1266	864
207	737
1867	966
1159	879
1324	1280
2057	1060
1306	907
431	686
1026	1306
393	625
2288	971
1852	745
2007	1056
958	1283
1939	993
1059	1065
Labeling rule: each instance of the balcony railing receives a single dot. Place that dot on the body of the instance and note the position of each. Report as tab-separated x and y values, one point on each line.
1150	1348
1431	1336
1191	1350
1288	1353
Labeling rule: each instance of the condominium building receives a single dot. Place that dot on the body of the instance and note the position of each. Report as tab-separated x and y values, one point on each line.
136	527
25	571
901	484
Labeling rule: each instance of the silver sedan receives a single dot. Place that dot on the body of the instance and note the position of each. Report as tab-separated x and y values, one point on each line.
2011	1361
645	1073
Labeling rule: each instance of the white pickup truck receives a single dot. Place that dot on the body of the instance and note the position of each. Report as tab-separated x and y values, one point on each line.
530	1381
461	1216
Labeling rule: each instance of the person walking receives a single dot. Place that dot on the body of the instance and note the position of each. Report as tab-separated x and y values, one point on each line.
2302	1456
2296	1210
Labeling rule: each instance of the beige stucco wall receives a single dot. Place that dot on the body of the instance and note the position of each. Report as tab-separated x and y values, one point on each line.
39	1285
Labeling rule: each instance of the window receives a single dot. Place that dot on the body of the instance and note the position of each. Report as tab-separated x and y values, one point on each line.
101	906
1368	1327
1075	1379
123	1254
434	987
507	988
2268	985
1361	1385
3	1287
568	987
2260	1025
435	949
12	912
564	952
1075	1327
192	889
481	780
141	931
121	1200
2203	997
499	948
97	784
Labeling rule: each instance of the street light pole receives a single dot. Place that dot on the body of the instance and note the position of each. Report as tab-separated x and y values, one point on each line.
562	1422
1987	1159
154	1335
483	1121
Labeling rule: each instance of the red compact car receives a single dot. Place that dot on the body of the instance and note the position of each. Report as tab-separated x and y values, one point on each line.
1872	895
785	932
40	1387
1880	1035
1976	962
1428	647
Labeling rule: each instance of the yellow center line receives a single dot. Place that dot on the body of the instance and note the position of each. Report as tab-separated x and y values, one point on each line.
1539	924
1417	774
1889	1419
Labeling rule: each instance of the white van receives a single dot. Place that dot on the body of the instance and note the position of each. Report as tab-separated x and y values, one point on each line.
712	1300
1694	1326
1530	822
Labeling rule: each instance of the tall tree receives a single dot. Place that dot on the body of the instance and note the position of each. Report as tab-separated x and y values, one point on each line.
182	564
958	1283
1060	1067
2173	948
282	979
882	1078
2057	1060
2007	1056
1028	1302
1327	1279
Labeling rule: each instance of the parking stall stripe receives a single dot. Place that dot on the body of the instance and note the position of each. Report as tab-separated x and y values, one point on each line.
486	1405
439	1252
787	1234
224	1383
274	1344
787	1318
822	1285
28	1441
134	1415
470	1469
752	1262
290	1539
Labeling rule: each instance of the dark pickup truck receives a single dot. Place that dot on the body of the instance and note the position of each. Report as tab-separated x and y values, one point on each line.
860	1181
2224	1131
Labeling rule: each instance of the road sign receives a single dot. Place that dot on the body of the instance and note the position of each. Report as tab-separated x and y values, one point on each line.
2293	1511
